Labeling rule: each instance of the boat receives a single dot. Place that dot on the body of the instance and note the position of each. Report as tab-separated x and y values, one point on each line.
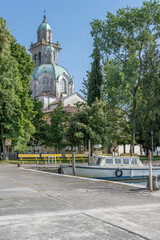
111	168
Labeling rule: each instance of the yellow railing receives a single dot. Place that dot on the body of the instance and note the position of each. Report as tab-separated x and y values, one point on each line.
28	155
44	157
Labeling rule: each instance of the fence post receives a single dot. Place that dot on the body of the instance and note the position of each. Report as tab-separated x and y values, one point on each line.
150	172
73	164
89	156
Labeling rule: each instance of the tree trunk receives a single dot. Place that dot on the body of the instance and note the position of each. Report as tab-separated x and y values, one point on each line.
147	151
89	156
133	125
141	149
3	144
124	147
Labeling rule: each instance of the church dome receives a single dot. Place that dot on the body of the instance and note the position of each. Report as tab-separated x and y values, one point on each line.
44	25
54	70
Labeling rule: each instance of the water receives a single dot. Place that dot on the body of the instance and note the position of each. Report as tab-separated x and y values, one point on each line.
139	182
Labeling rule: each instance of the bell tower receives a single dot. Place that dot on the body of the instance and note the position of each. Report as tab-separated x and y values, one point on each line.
44	50
49	81
44	31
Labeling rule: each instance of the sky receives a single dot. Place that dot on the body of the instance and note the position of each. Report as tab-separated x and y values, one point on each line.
70	23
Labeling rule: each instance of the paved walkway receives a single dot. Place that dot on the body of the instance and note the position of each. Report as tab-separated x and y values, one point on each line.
43	206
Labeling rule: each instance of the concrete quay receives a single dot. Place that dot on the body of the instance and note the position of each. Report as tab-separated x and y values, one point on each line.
38	205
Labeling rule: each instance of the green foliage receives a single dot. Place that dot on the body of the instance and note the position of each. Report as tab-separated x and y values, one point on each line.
148	101
90	122
25	67
56	130
84	89
39	136
94	78
128	42
10	84
116	89
91	87
16	107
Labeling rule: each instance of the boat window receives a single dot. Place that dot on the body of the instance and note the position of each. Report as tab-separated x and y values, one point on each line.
109	161
133	161
125	161
118	161
98	160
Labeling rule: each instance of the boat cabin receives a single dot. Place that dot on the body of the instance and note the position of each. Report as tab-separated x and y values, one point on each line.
120	161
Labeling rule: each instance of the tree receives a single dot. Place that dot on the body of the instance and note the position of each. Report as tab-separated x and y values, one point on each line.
55	135
148	101
92	86
15	102
89	123
27	111
39	136
84	89
10	84
127	39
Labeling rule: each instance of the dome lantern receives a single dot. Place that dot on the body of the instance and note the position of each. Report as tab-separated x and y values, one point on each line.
44	31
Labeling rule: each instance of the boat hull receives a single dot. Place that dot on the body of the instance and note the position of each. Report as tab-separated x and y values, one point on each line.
110	173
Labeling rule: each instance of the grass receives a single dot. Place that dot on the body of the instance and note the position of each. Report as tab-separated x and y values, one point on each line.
13	161
145	158
41	161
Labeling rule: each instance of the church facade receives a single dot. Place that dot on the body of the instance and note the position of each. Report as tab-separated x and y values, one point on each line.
50	82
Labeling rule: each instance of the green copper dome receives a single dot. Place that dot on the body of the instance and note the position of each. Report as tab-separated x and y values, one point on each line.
44	25
54	70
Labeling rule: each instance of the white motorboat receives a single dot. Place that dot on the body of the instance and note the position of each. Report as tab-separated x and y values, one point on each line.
111	168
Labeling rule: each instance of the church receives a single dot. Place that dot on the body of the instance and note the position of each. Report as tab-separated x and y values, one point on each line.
50	82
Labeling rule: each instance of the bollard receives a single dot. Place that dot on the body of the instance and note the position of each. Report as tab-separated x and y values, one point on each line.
18	165
155	186
155	183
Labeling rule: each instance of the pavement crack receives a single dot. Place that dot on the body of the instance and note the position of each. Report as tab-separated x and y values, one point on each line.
95	218
114	225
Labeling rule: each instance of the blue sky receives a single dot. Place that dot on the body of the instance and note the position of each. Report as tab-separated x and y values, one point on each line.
70	23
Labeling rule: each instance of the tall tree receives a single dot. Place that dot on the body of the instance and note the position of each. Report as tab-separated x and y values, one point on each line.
148	102
10	84
94	78
25	67
16	107
126	39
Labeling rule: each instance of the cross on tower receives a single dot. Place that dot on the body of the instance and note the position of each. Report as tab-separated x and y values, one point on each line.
44	15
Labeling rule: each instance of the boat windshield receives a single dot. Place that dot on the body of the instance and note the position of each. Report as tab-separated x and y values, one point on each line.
125	161
117	161
109	161
133	161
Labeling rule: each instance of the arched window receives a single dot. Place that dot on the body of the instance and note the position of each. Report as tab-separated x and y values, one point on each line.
39	57
49	37
63	86
46	84
35	59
